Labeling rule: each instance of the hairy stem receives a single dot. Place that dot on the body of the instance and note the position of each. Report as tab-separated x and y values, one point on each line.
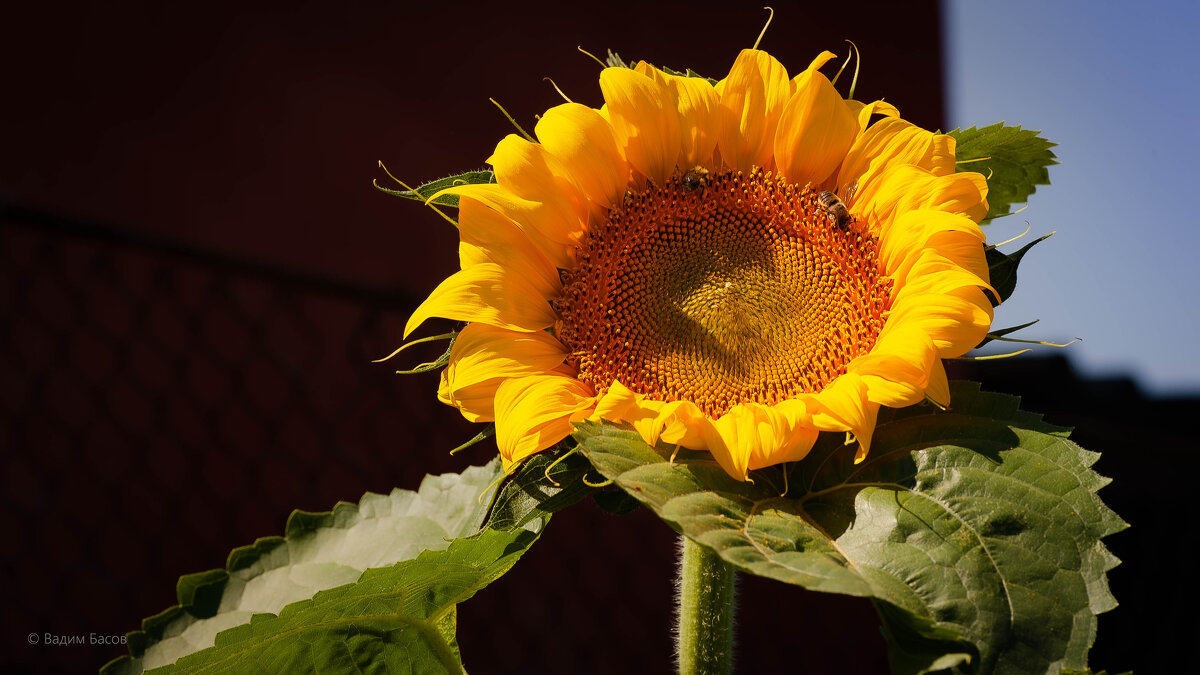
705	611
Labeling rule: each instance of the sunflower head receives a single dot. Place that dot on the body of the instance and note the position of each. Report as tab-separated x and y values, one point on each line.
731	267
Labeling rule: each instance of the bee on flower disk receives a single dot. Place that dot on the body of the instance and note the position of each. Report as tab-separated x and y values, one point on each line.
835	207
695	177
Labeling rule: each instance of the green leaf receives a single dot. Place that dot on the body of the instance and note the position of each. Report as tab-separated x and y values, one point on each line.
976	532
1002	269
431	188
319	551
1016	162
918	645
394	619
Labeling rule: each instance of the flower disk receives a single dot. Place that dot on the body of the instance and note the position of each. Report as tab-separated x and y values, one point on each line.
743	290
732	267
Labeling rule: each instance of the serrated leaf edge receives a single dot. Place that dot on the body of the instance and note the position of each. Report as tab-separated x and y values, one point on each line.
299	524
1100	598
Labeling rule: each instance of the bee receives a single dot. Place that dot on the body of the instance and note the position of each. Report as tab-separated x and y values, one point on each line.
695	177
835	207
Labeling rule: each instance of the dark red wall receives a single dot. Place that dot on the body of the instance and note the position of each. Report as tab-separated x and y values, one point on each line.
257	131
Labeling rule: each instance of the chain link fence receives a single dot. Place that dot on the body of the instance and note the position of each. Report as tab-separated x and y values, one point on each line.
162	405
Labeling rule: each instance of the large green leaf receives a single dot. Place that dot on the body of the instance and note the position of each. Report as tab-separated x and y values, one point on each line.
977	532
1015	160
394	619
322	551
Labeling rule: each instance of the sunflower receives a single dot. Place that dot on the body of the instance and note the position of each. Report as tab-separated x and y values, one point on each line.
732	267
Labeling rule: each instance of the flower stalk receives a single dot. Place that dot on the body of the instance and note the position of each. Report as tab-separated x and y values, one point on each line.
705	630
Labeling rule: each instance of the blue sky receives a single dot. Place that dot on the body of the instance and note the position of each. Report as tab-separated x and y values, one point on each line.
1115	85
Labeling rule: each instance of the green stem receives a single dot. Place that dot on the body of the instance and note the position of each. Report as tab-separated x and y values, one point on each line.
705	611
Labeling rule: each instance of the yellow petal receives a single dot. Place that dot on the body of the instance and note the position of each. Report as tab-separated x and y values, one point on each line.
444	389
963	250
483	356
903	188
844	406
729	440
489	294
783	434
651	72
897	370
677	422
933	272
674	422
554	236
941	157
953	235
820	60
864	112
530	172
618	404
477	404
964	193
699	119
894	394
537	411
644	121
487	236
865	435
752	97
954	321
583	142
894	141
816	129
939	385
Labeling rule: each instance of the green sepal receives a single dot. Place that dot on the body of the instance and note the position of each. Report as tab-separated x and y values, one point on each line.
547	482
614	60
1001	332
436	364
1017	162
427	190
688	72
488	431
1002	269
976	532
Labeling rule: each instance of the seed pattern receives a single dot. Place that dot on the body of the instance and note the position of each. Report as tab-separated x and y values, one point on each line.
743	290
